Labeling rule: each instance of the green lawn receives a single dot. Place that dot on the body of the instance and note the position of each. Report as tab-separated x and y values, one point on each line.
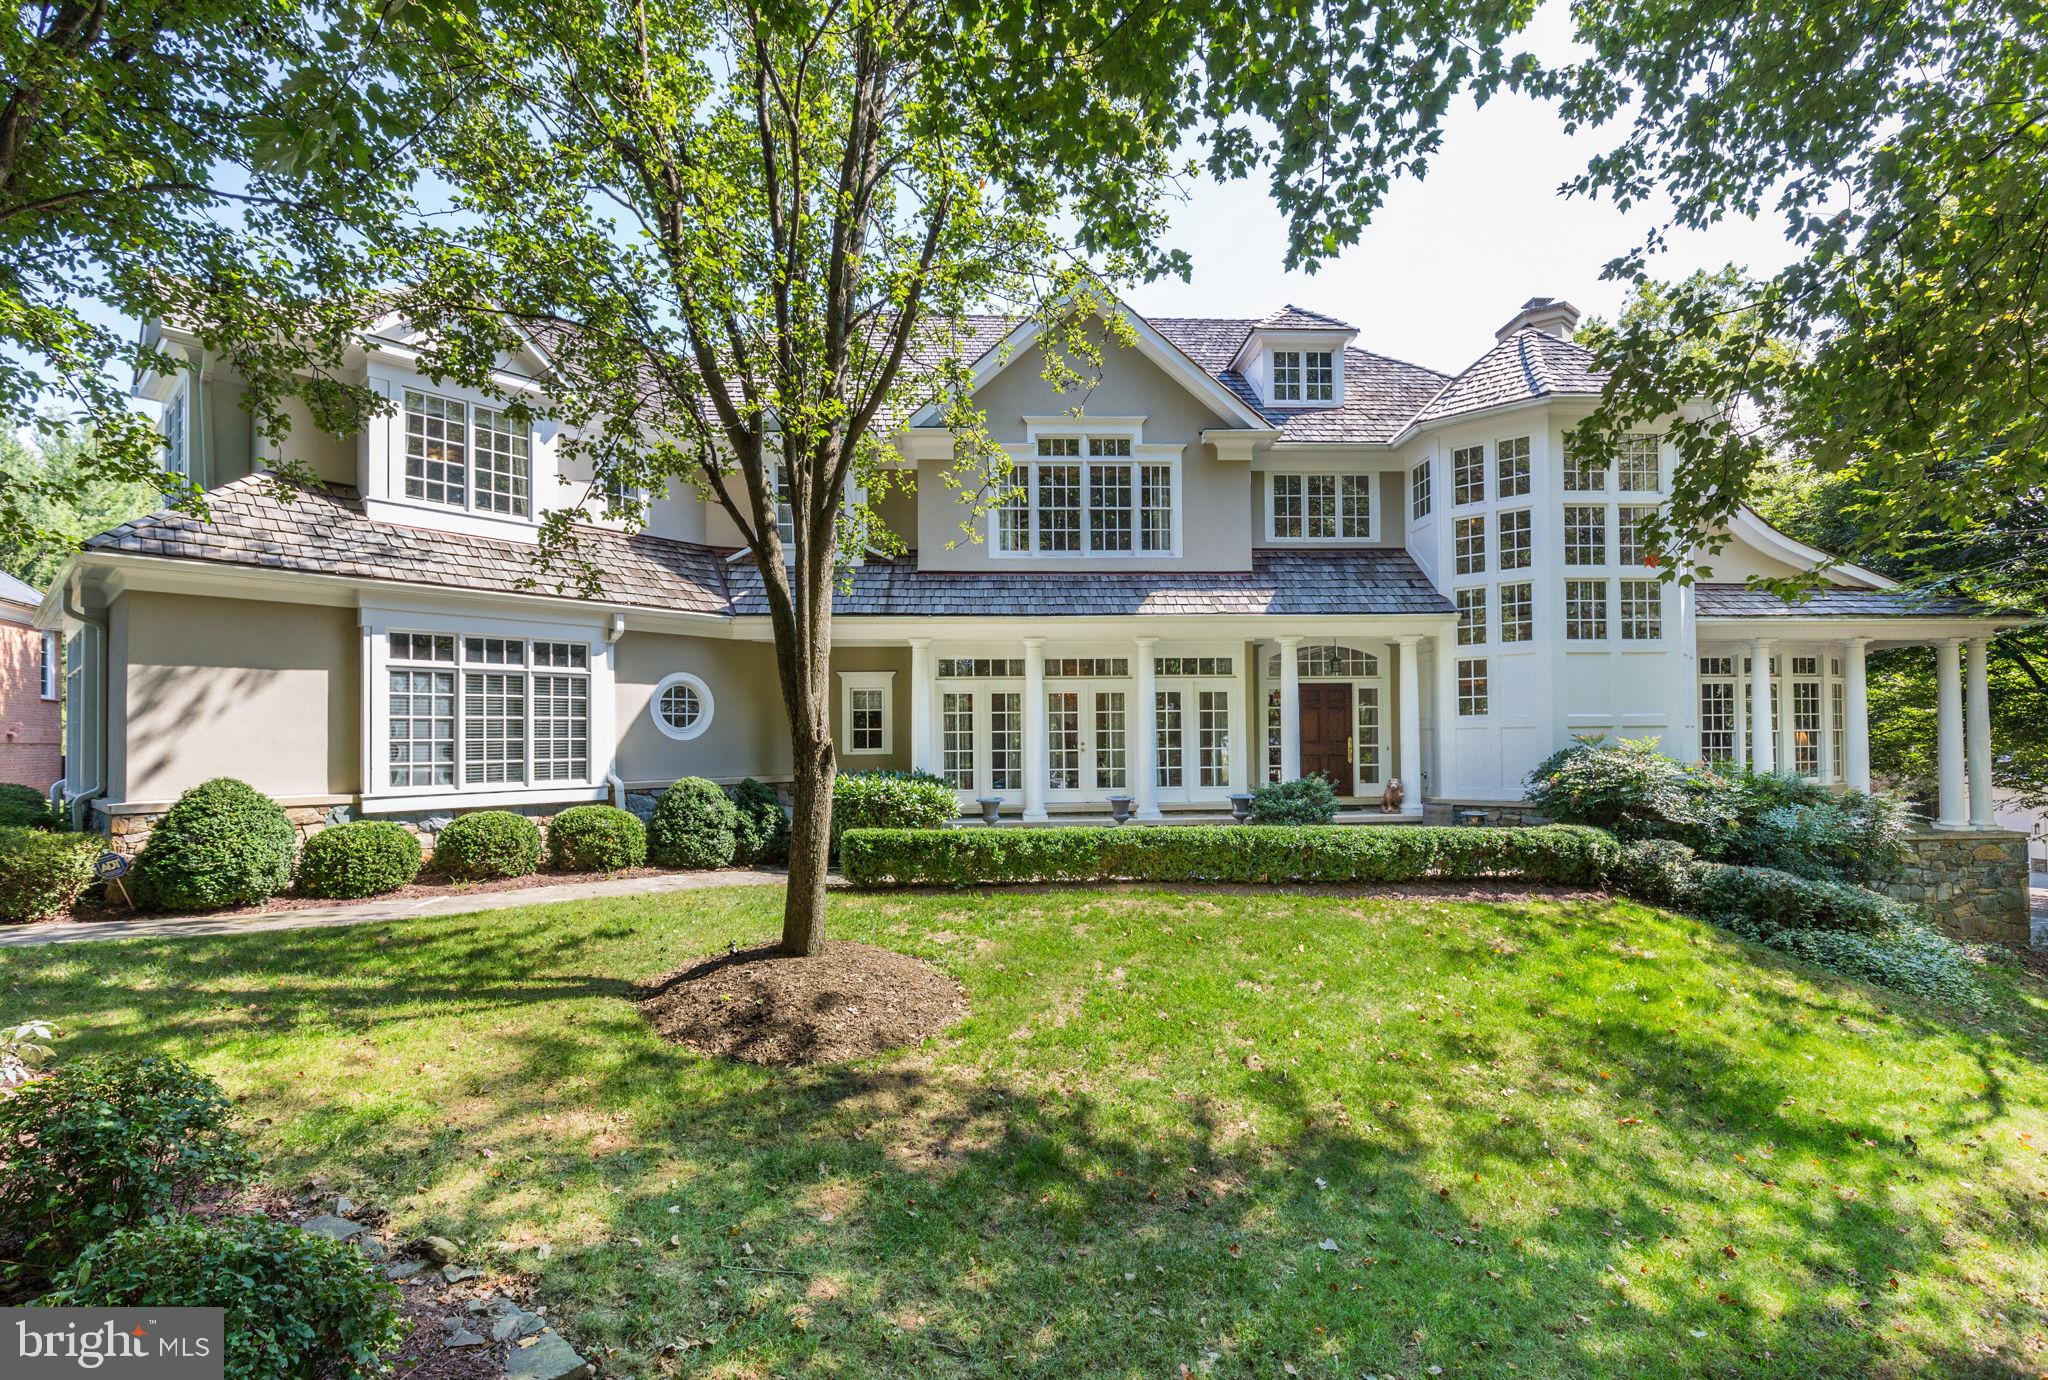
1248	1134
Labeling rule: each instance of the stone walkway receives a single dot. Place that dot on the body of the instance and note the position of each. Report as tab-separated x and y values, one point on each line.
363	912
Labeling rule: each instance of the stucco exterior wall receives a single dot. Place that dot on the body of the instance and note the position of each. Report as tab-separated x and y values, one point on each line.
857	661
202	687
748	735
31	727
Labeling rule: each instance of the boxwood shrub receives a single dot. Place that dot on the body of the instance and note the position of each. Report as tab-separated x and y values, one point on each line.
763	832
1563	854
365	858
298	1306
224	843
596	838
891	800
695	826
1307	801
104	1143
25	805
1659	871
487	844
42	872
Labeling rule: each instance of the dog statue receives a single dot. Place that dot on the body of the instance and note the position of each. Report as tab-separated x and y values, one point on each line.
1390	798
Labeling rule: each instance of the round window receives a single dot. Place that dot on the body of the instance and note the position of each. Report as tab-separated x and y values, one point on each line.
681	706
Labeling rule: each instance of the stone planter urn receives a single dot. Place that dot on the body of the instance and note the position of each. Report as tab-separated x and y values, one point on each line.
1120	808
991	805
1240	808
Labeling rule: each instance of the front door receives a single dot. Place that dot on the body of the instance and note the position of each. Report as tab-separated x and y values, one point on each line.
1326	733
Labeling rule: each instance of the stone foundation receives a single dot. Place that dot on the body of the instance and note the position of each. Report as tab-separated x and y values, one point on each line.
1971	882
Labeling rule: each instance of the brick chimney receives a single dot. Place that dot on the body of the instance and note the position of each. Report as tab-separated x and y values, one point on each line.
1550	315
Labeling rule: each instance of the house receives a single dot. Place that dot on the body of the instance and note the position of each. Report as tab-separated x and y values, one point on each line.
1261	550
31	691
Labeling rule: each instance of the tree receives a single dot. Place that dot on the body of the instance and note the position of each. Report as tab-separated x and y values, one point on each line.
747	234
62	493
218	163
1903	145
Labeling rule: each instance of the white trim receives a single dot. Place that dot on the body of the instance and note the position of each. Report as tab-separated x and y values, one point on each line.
1374	526
50	666
705	705
1024	460
1750	527
850	681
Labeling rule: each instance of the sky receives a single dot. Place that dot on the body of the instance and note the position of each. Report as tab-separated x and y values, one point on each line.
1448	259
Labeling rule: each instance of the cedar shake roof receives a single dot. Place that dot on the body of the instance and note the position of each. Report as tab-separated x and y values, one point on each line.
1527	365
1293	318
1721	600
326	532
1289	583
1381	393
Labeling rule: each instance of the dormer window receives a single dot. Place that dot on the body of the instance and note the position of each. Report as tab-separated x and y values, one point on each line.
459	456
1304	376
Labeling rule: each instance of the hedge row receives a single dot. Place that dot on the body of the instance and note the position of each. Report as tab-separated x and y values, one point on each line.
1557	853
1667	873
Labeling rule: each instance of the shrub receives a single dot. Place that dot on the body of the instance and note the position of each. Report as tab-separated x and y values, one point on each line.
298	1306
1801	826
1633	791
24	1049
1764	896
695	825
1254	853
223	844
1908	956
763	831
366	858
596	838
26	806
488	844
1307	801
43	873
1659	871
891	800
102	1144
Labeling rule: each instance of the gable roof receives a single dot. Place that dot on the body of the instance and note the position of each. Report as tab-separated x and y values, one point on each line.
13	591
1381	393
1293	318
1529	364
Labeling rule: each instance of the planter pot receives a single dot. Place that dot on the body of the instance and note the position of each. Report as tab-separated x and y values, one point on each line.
990	806
1120	808
1240	808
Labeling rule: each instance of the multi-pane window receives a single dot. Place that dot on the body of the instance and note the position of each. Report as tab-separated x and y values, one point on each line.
1838	701
1111	666
1321	507
1212	737
1471	617
1585	610
867	718
1006	741
1631	549
1191	665
1110	752
1273	754
1472	687
1641	610
512	712
1516	549
462	457
1166	722
1469	545
1063	740
1583	477
1086	494
1304	376
956	739
982	667
1286	376
1585	534
1367	740
1806	727
1468	475
1717	719
1418	491
47	665
1637	464
1518	613
1512	473
177	458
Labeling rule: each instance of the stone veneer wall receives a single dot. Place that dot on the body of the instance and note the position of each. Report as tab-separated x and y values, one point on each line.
1971	882
1445	812
129	831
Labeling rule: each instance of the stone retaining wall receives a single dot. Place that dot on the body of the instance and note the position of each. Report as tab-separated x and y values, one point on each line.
128	831
1971	882
1515	816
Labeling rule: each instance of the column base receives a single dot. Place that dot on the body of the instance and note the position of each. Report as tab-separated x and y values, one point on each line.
1952	824
1153	816
1034	816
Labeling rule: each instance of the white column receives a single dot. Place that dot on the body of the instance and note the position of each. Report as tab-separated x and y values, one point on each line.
1948	747
1977	739
1145	786
1763	744
1410	747
1855	715
1290	709
923	746
1034	728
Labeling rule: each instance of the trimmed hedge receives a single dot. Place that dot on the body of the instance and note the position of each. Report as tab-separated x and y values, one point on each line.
366	858
596	838
43	873
1558	853
224	843
694	826
488	844
763	832
891	800
25	805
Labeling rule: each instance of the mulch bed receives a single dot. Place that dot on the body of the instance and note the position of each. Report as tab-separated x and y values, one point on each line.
757	1006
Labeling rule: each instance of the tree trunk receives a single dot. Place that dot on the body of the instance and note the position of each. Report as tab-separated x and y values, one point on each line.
804	661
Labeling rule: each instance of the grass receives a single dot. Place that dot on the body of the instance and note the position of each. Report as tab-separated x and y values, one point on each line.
1245	1134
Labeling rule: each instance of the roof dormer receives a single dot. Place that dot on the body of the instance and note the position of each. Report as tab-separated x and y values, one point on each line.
1295	358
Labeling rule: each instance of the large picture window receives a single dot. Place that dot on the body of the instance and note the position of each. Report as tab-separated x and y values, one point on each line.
1087	495
472	711
457	456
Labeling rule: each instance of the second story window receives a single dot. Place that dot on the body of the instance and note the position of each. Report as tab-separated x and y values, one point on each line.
1418	489
1304	376
459	456
1514	467
1468	475
177	456
1319	507
1639	464
1087	496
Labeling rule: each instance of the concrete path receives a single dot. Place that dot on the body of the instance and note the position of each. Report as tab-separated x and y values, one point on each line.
363	912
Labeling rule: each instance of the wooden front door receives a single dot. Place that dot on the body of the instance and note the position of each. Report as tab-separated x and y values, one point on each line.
1326	733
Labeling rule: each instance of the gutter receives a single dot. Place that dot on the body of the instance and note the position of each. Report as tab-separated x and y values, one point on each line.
96	721
615	628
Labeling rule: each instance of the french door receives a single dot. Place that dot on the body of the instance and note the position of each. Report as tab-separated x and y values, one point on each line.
981	740
1192	725
1087	741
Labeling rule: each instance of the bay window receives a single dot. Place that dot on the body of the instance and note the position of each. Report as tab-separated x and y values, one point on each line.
472	711
1087	495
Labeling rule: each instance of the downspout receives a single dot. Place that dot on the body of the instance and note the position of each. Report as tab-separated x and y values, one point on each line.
96	721
615	630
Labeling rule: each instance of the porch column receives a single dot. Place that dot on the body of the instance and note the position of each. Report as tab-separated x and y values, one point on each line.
1290	710
1951	806
1977	740
1034	728
1145	788
1409	687
922	756
1855	716
1763	744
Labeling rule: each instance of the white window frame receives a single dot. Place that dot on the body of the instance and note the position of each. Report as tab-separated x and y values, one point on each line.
849	682
1421	491
1024	462
401	448
176	426
50	669
704	699
1341	511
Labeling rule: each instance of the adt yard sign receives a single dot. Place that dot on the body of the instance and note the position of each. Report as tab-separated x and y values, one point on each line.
112	1343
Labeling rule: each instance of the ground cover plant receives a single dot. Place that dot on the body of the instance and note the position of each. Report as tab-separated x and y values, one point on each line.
1229	1129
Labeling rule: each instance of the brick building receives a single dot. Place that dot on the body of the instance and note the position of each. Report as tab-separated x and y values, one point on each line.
31	691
